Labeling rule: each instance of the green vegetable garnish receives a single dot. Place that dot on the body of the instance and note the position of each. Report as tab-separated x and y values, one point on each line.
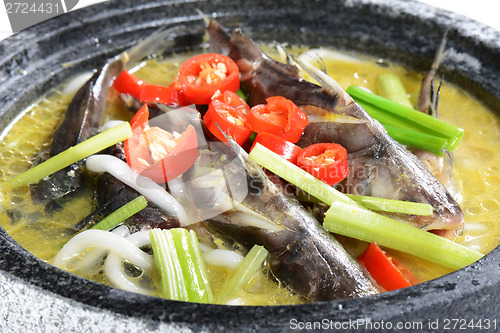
181	268
249	266
325	193
368	226
73	154
396	115
389	86
122	213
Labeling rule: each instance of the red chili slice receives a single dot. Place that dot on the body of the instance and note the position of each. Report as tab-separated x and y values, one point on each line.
325	161
280	116
126	83
228	112
384	269
280	146
151	93
156	153
204	74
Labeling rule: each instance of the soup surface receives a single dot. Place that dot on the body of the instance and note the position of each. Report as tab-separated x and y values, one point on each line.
476	166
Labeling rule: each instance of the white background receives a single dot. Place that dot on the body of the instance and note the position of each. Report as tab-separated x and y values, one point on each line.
486	11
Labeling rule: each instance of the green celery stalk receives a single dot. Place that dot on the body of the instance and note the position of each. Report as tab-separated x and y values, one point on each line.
400	116
183	275
172	285
393	206
193	267
122	213
378	204
71	155
389	86
249	266
407	133
368	226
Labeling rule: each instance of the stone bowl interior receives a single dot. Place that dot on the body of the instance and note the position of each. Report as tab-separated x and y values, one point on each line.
402	31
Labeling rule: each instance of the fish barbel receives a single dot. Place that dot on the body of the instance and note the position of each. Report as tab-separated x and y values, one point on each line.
379	166
439	166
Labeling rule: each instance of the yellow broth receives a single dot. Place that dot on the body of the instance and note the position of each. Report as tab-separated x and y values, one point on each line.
477	160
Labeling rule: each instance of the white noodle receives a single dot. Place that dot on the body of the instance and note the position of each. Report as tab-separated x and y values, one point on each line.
143	185
113	266
225	258
105	240
92	258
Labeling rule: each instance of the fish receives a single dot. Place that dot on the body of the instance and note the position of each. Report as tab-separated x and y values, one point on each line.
378	165
85	114
303	256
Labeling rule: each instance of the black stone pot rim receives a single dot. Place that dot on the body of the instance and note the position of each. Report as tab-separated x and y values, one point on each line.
453	292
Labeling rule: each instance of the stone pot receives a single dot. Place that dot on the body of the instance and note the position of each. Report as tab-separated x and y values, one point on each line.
41	297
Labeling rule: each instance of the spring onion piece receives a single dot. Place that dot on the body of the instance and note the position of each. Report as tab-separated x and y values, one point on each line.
177	256
249	266
389	86
398	115
122	213
73	154
368	226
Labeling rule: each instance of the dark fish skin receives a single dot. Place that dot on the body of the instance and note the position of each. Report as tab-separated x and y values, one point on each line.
379	166
82	120
86	111
302	255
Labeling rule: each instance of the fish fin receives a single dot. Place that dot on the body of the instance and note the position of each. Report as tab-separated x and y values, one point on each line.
316	114
288	60
329	85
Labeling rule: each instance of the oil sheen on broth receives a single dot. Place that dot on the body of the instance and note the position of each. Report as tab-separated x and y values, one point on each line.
476	167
